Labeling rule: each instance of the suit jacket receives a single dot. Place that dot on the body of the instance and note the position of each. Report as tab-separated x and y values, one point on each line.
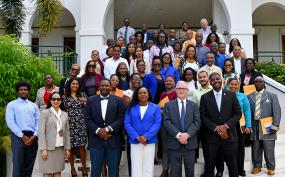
269	107
147	127
171	121
254	75
230	113
150	82
148	36
48	130
114	117
242	62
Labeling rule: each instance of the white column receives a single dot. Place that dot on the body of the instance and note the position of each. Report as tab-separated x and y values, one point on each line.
240	15
26	37
91	33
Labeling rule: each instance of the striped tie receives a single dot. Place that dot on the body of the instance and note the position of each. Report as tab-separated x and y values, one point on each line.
257	106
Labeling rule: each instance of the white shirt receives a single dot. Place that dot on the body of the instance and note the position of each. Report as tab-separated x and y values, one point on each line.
143	110
219	102
192	89
191	65
146	55
237	63
58	139
104	104
111	66
180	108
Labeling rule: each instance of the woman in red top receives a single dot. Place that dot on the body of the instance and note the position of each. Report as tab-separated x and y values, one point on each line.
171	94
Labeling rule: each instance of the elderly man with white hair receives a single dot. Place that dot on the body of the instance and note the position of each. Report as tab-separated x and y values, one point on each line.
181	119
205	29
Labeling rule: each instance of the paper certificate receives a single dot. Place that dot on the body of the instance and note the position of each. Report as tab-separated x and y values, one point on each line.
248	89
163	101
266	124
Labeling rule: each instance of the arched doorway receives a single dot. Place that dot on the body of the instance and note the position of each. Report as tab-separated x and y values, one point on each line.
63	34
269	39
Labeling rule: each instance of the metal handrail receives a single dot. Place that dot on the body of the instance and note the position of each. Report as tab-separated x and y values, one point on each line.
276	56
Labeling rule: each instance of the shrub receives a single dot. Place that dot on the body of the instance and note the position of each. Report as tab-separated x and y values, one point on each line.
18	63
272	70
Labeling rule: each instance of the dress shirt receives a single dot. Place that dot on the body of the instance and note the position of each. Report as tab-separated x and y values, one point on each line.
199	92
210	70
111	66
192	89
22	115
154	51
121	32
146	55
143	110
218	97
221	38
180	108
237	65
201	52
104	103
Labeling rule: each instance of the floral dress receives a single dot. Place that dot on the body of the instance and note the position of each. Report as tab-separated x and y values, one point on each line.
75	111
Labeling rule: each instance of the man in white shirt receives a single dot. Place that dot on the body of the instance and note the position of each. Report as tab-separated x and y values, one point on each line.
205	29
112	63
239	63
126	31
149	44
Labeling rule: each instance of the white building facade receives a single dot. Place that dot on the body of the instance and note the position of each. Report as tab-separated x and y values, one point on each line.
85	25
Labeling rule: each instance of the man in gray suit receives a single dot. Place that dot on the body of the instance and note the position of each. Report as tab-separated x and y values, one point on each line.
181	120
205	29
237	60
268	102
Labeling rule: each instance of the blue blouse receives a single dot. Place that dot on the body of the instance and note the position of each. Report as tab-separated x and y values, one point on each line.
170	71
245	107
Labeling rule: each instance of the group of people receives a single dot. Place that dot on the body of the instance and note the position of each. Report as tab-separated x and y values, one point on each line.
165	94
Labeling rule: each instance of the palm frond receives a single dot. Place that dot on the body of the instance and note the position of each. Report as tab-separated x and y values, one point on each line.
13	15
50	12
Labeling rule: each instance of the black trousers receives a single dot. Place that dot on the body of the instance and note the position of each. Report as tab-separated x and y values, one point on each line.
212	153
23	157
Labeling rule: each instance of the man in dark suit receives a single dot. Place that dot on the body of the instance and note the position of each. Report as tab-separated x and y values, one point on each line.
182	121
220	111
104	116
147	35
238	61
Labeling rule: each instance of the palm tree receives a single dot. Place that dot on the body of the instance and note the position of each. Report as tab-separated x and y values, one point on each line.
12	15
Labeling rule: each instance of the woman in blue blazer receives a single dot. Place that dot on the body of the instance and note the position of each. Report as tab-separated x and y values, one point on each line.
167	69
154	81
241	131
142	123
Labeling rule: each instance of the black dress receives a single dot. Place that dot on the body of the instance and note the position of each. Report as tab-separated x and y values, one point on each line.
159	90
75	111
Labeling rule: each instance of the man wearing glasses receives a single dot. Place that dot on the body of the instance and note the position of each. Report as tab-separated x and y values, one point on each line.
73	72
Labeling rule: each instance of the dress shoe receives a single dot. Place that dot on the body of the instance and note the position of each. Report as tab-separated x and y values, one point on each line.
164	173
203	175
270	172
255	170
242	173
219	174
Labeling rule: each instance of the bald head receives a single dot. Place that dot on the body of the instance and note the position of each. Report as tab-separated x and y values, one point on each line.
204	23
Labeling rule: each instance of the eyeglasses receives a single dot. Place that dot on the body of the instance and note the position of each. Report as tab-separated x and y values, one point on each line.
74	69
227	65
181	89
55	99
156	64
91	66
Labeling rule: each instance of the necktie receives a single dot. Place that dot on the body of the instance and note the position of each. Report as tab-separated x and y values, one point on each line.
160	53
257	106
218	100
182	117
126	35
